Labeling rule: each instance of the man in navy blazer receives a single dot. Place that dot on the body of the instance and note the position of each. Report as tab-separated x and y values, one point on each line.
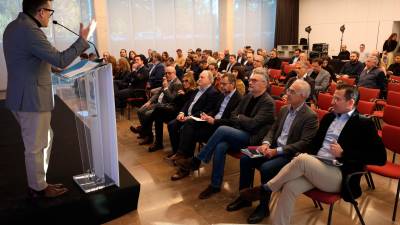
204	99
156	73
29	57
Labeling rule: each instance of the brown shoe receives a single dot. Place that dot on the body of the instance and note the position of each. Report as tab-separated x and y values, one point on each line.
180	174
251	194
184	163
135	130
208	192
51	191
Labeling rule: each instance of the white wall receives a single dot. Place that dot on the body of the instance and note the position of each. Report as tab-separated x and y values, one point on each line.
367	21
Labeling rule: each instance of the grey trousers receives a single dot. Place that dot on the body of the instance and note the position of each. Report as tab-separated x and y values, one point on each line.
302	174
37	136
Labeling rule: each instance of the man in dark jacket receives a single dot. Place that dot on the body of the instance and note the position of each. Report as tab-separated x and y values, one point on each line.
195	131
249	123
336	139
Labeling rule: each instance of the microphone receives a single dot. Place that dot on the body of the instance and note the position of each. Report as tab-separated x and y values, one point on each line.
97	52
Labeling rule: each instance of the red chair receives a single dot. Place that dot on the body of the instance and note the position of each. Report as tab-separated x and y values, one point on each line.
390	137
365	107
324	101
395	78
332	88
394	87
287	69
320	113
283	64
350	81
274	75
278	106
393	98
368	94
390	115
319	196
277	90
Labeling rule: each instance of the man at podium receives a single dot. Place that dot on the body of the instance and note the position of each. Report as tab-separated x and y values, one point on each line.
29	57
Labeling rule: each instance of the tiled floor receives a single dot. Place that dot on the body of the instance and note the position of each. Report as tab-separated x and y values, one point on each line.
165	202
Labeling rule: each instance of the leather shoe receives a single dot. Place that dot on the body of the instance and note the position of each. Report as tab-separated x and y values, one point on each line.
180	174
155	147
136	130
258	215
184	163
238	204
208	192
251	194
51	191
146	141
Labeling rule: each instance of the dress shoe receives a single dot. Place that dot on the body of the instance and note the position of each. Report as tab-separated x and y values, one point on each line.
258	215
155	147
136	130
251	194
183	163
146	141
180	174
238	204
51	191
208	192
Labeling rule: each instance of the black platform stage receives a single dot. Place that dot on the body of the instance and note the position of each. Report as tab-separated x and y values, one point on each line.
76	207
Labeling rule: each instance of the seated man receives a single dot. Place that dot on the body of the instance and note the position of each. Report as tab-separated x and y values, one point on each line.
372	76
204	99
303	73
322	77
394	68
249	123
291	133
352	68
195	131
344	135
163	98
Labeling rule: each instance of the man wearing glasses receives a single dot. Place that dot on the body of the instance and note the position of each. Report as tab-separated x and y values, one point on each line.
29	57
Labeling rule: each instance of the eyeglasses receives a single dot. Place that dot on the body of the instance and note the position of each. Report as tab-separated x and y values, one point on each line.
169	72
185	80
50	10
291	91
254	80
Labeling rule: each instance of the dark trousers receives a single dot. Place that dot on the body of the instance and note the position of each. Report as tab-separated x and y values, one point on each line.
174	127
191	133
160	114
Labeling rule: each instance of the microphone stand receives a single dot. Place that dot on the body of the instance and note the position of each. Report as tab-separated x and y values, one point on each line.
97	52
341	42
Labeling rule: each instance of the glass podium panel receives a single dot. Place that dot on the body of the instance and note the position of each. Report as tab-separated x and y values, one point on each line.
90	96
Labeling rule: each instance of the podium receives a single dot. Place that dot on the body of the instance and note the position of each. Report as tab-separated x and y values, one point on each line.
90	96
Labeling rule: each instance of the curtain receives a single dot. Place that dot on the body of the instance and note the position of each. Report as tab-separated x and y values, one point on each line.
254	23
287	22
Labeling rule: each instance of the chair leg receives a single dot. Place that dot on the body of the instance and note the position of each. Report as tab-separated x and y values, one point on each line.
394	157
355	204
252	180
320	206
395	203
371	180
368	181
330	213
315	203
129	111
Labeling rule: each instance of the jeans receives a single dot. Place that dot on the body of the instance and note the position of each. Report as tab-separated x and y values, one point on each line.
224	138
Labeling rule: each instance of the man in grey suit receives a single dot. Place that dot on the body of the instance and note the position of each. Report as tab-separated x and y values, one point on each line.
291	133
29	57
322	78
164	97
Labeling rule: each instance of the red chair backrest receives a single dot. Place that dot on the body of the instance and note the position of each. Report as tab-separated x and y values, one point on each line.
393	98
394	87
368	94
332	88
390	137
320	113
288	68
283	64
278	105
365	107
324	101
349	81
277	90
391	115
274	74
395	78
